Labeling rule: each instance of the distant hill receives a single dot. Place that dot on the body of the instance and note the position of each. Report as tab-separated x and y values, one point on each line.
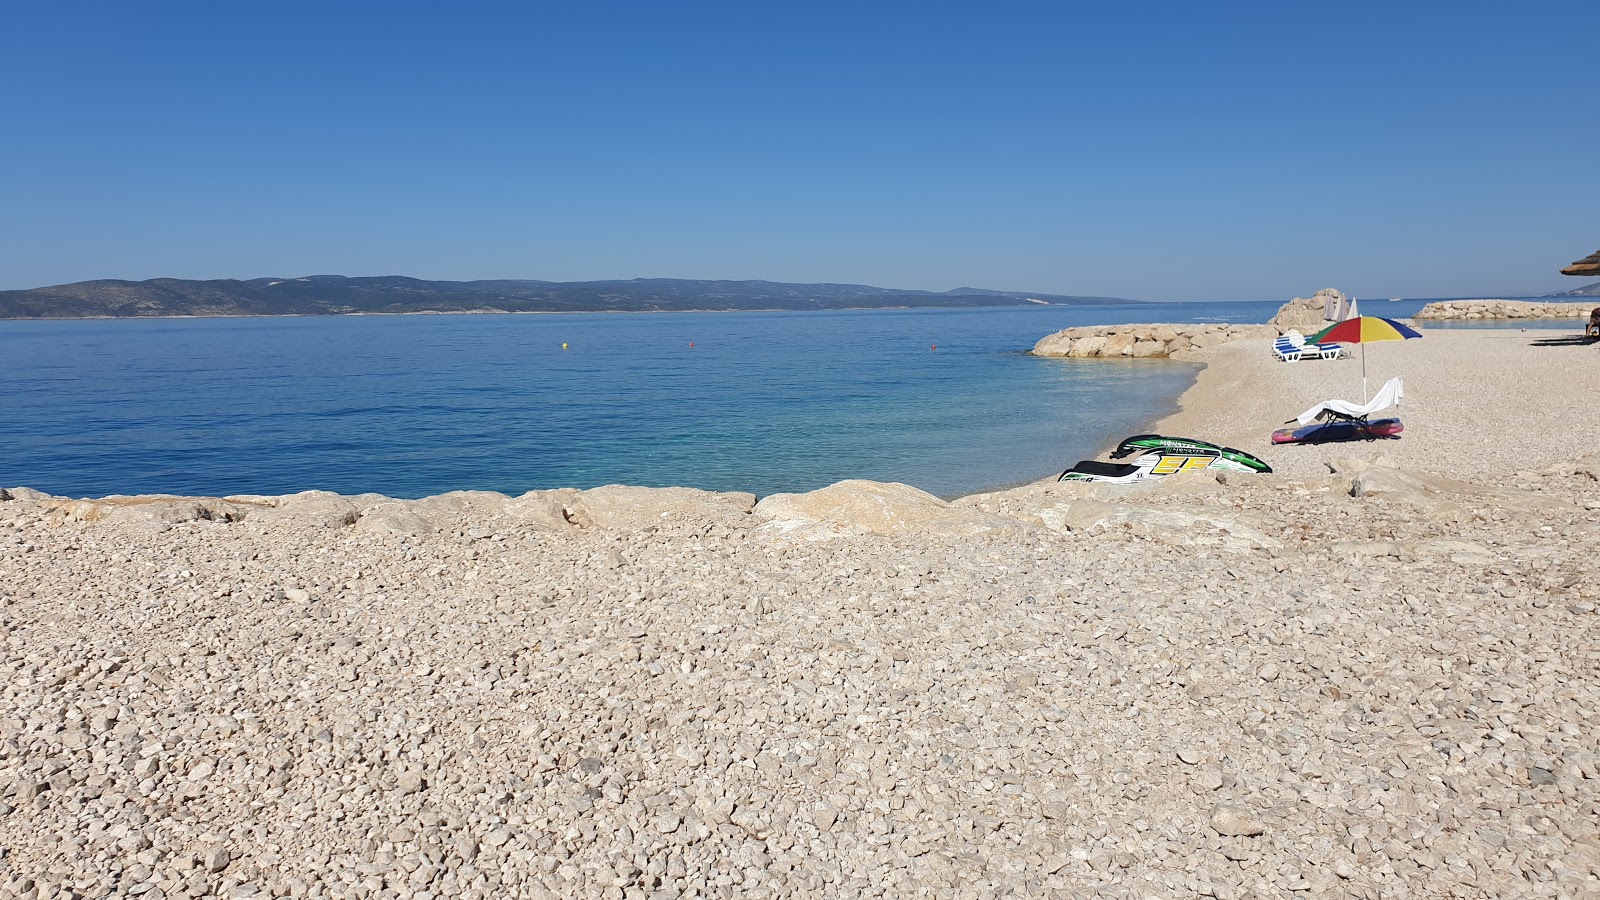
1588	290
339	295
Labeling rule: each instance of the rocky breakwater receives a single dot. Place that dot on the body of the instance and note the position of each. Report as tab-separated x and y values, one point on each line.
1504	309
1144	341
1373	683
1182	341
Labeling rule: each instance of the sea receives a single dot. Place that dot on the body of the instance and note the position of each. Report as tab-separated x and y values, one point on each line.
408	406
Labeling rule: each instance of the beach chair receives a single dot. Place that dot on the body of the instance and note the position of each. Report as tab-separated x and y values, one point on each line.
1356	414
1286	350
1311	351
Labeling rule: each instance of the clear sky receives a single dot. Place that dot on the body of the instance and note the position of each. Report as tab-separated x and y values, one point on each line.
1148	150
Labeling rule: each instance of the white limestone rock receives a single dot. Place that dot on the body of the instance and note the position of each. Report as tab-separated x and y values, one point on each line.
855	507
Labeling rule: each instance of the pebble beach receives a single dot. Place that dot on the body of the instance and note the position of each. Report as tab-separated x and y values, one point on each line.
1373	673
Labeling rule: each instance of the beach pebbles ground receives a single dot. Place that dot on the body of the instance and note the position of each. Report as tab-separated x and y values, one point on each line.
1373	683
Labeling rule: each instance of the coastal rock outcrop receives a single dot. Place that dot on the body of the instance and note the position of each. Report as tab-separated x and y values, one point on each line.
1306	314
1303	314
1144	341
870	507
616	506
1504	309
155	508
1189	527
315	508
397	517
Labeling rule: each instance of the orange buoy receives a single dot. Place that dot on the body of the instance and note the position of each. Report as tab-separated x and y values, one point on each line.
934	347
691	343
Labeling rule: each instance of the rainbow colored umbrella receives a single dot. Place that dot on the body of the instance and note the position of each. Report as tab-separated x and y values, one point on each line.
1364	330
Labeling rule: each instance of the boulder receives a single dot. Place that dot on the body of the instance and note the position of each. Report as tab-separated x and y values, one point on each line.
542	509
1459	552
1379	481
396	517
1089	346
460	507
616	506
1193	526
1119	344
1587	465
1058	344
1305	314
870	507
159	508
322	509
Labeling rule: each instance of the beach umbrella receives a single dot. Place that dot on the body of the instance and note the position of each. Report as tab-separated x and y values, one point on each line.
1588	267
1364	330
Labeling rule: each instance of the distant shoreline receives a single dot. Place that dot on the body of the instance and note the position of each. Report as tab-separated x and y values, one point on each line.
546	312
402	295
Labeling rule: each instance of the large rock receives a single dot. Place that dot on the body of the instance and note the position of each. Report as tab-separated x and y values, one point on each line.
616	506
158	508
322	509
1089	346
1193	526
1381	481
396	517
1119	344
542	509
1305	314
871	507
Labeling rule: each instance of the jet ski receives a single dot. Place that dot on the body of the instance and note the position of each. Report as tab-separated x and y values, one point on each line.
1161	456
1233	460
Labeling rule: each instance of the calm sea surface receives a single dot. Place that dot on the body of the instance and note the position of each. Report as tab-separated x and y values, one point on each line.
415	405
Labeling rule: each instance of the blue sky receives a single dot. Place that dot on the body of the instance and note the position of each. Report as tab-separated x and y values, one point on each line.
1153	151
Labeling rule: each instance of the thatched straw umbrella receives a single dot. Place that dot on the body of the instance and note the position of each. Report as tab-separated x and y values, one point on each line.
1588	267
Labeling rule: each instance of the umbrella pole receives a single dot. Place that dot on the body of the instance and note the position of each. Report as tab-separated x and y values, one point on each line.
1363	374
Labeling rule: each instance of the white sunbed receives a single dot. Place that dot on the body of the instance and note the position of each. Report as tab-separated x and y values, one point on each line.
1292	346
1389	395
1314	351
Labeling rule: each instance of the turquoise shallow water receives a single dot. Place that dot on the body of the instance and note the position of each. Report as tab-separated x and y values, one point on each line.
415	405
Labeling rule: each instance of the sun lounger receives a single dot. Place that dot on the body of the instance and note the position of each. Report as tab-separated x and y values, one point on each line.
1389	395
1292	346
1285	350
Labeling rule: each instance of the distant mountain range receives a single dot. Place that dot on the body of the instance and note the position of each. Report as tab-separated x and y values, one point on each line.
1588	290
338	295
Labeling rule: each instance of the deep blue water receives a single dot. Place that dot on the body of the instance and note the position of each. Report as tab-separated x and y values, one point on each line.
415	405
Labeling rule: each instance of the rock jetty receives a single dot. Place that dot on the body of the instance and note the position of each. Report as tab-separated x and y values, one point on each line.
1303	314
1144	341
1504	309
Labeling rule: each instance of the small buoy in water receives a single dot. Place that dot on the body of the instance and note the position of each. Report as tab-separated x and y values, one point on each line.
934	347
563	345
691	343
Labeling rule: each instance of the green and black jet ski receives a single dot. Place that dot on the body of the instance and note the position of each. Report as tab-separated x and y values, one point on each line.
1160	456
